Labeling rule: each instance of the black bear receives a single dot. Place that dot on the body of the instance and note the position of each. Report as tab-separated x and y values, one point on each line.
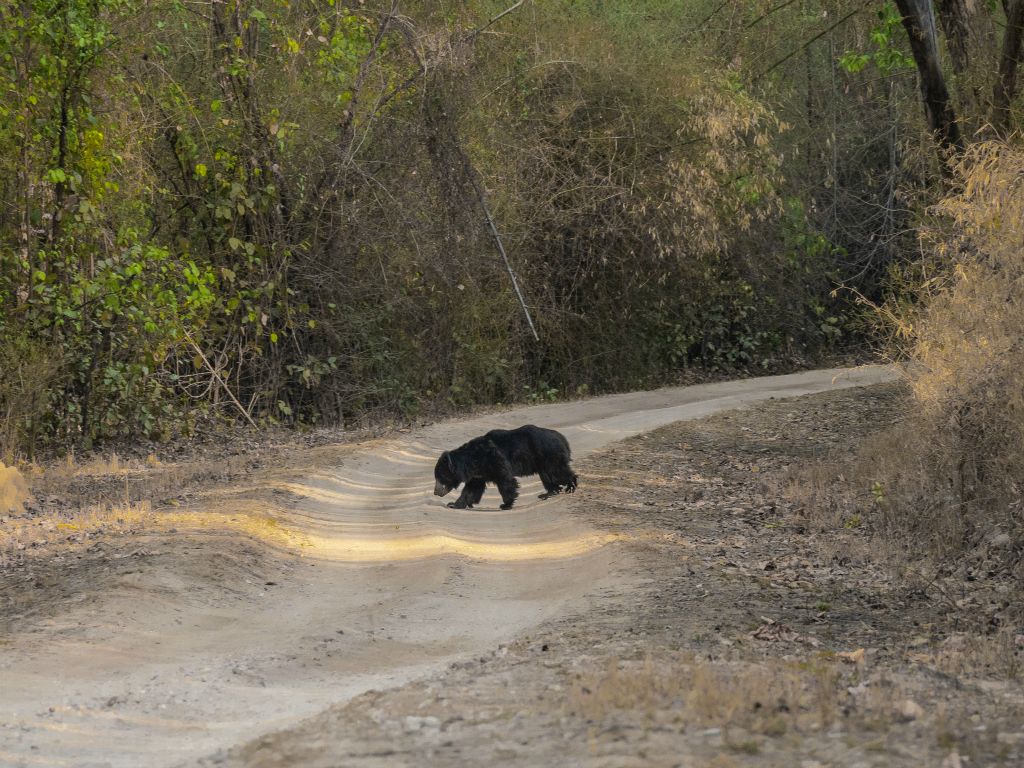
499	457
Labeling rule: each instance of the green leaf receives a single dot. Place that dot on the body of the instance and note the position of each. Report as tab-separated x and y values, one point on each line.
234	243
853	62
200	170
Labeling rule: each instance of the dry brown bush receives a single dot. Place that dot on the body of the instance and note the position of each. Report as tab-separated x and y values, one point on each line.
948	480
764	699
13	489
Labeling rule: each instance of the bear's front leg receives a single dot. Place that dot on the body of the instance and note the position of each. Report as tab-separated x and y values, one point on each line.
475	491
472	491
496	468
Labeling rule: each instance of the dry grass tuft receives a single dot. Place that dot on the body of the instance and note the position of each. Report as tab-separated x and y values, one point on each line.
100	465
1000	655
766	699
39	535
13	489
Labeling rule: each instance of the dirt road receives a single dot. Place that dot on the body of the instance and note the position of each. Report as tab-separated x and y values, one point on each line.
355	578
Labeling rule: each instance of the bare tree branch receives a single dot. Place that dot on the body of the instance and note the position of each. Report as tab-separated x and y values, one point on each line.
213	372
804	45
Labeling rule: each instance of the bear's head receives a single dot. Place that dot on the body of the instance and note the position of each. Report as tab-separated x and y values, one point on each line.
445	476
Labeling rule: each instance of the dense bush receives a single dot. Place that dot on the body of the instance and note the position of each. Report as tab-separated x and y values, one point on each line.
949	478
968	350
276	207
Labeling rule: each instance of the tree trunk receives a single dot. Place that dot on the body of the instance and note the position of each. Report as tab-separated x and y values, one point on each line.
1006	84
955	20
919	21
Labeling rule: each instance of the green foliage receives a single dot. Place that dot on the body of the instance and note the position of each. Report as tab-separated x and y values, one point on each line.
887	37
810	259
118	324
290	190
542	393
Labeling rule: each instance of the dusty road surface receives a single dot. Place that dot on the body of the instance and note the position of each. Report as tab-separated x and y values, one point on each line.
347	577
753	626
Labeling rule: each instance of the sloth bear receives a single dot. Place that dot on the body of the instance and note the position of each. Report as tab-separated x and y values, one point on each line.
499	457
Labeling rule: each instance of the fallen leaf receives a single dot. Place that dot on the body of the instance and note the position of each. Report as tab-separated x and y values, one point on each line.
852	657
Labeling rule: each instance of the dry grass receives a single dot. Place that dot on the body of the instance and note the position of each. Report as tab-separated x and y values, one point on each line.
1000	655
13	489
114	479
949	480
98	465
102	497
27	370
39	535
751	703
44	536
961	470
766	699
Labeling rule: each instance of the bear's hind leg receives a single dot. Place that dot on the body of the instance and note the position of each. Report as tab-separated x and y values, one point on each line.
551	486
563	478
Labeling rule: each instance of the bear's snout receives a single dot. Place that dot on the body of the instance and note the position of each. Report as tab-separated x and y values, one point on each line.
440	489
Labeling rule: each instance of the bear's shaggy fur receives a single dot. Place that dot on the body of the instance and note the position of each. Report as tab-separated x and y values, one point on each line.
499	457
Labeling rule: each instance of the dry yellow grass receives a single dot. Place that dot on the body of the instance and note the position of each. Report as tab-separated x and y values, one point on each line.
43	535
99	465
768	699
13	489
968	349
950	477
1000	655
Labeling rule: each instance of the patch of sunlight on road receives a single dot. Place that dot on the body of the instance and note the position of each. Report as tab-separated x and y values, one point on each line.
372	545
375	550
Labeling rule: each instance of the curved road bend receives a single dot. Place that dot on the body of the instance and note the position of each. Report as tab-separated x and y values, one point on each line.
180	659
